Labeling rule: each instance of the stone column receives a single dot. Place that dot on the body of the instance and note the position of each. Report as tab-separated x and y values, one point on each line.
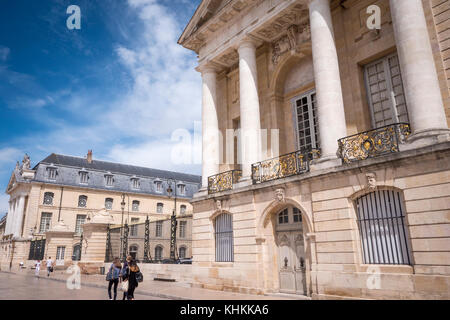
330	104
210	125
249	107
18	219
9	217
420	80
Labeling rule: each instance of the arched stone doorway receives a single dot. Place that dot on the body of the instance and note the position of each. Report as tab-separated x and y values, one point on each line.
286	228
291	251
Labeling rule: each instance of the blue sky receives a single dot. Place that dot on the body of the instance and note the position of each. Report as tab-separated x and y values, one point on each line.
120	86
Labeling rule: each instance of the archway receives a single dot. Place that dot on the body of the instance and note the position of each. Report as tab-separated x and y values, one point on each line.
286	251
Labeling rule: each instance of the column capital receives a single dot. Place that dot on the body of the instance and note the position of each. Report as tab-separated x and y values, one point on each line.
247	43
208	67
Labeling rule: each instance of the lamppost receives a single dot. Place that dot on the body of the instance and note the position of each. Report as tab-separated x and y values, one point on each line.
173	221
122	206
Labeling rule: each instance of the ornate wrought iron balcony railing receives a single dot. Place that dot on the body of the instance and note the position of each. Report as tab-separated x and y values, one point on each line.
223	181
283	166
373	143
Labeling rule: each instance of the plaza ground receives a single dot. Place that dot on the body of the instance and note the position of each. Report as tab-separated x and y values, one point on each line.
23	285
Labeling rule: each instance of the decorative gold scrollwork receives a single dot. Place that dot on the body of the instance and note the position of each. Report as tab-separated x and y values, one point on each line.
223	181
373	143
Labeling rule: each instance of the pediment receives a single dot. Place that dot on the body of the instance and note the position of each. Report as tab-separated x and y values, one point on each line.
206	11
12	182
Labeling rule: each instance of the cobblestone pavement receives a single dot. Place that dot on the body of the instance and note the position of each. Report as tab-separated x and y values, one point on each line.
27	287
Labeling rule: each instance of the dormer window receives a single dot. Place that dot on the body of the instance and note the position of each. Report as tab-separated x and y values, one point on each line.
48	198
84	177
52	172
181	189
135	183
158	186
109	180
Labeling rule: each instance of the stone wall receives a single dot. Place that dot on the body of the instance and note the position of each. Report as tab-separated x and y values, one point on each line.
335	265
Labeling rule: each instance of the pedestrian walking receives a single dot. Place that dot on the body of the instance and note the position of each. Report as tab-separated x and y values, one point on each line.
124	275
37	267
49	266
134	277
113	277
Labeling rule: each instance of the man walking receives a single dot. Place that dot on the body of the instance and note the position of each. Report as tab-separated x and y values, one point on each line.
49	266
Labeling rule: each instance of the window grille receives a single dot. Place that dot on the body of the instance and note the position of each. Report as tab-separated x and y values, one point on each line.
224	238
82	201
182	209
159	208
296	215
283	217
48	198
158	252
383	229
182	229
108	203
135	206
182	253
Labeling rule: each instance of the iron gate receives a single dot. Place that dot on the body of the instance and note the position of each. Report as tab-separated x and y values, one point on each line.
37	250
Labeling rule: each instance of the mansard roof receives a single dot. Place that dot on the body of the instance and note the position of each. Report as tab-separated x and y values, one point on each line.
112	167
69	168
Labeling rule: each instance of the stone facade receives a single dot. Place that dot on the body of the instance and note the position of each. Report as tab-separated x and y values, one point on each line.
30	202
257	59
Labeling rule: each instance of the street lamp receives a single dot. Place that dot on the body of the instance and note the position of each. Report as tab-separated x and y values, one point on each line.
173	221
122	206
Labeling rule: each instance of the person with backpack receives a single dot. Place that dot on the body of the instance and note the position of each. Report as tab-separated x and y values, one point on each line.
113	277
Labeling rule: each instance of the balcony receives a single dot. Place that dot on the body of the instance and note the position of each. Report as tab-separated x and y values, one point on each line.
223	181
373	143
284	166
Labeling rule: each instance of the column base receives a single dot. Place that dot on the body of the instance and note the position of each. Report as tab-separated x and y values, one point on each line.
243	182
325	162
202	192
425	138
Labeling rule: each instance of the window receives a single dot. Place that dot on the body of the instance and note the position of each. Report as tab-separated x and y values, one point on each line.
307	122
385	91
283	217
135	205
181	189
382	226
158	186
82	201
159	228
182	229
134	227
76	256
182	253
79	224
135	183
158	253
60	251
108	203
159	208
297	215
183	209
48	198
84	177
224	238
109	180
52	173
133	251
46	220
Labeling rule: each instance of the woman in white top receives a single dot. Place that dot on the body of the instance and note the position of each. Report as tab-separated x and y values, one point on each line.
38	267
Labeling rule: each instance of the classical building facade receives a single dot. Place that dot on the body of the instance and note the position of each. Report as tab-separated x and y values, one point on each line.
50	204
347	192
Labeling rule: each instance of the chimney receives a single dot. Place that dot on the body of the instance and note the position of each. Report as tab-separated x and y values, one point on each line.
89	157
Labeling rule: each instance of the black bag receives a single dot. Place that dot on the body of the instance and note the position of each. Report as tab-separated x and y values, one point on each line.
51	269
139	276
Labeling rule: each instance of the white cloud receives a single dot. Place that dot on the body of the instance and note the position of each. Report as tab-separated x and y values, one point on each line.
9	155
4	198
